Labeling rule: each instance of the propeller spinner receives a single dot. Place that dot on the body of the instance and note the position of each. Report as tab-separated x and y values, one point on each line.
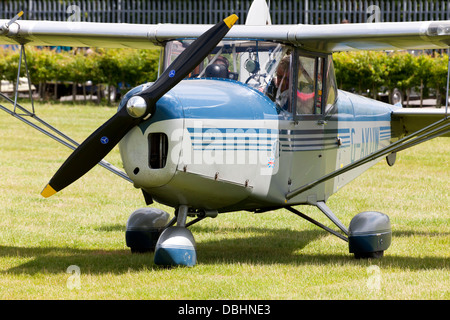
139	108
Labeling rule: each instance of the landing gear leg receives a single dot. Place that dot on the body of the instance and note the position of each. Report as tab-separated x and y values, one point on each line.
368	236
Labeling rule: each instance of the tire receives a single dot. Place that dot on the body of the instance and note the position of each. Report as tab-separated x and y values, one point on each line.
369	255
396	97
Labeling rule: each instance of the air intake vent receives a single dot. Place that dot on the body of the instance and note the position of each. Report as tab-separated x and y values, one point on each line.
158	146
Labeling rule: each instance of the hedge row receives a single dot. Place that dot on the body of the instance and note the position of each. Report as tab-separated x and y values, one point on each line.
372	72
101	66
366	72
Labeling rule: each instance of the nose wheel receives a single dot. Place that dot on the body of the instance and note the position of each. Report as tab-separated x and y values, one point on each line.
149	230
176	245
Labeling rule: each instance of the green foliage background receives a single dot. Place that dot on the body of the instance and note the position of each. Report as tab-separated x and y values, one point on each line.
365	72
370	72
101	66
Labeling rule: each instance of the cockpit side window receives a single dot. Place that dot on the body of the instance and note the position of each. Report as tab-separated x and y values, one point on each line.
282	82
306	85
330	86
315	84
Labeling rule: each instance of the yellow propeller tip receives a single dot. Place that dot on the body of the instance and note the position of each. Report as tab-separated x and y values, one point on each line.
20	13
231	20
48	191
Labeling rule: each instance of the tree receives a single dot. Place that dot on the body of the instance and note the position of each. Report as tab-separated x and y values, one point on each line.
42	66
138	66
11	65
438	78
2	65
107	65
78	68
361	71
423	75
344	70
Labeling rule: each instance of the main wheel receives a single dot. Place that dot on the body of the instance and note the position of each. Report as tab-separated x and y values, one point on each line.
396	97
144	227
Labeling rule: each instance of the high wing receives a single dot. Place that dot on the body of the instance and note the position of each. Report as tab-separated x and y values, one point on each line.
326	38
410	120
78	34
373	36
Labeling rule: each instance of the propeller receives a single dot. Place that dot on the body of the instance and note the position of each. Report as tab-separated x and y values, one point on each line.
139	108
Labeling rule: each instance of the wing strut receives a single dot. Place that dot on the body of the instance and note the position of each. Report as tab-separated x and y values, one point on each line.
41	125
320	225
434	130
16	91
57	135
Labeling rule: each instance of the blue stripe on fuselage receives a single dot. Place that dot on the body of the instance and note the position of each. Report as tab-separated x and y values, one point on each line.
222	99
209	99
229	99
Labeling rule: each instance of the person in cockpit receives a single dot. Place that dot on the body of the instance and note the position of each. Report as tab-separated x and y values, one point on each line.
282	83
218	69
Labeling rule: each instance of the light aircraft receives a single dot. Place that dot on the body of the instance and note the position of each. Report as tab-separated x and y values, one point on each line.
244	117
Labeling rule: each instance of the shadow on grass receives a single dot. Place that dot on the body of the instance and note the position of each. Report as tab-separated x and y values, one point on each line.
254	246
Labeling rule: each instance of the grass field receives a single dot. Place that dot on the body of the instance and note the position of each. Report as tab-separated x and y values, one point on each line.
274	255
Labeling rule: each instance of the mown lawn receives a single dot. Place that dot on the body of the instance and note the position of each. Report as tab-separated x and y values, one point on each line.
274	255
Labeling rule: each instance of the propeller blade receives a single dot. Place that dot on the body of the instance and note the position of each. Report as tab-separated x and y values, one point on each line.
5	27
91	151
139	108
188	60
16	17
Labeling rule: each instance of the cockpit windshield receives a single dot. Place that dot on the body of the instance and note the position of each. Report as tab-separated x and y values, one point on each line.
254	63
300	83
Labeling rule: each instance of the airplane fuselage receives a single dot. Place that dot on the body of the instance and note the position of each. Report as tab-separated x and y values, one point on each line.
222	145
